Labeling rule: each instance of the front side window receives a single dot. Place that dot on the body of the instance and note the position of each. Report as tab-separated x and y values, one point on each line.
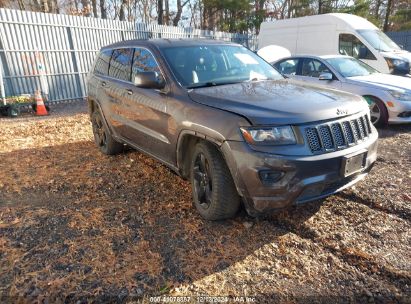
204	65
120	64
143	62
313	68
102	63
351	46
288	67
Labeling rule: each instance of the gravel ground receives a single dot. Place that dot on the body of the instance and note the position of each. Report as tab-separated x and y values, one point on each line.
78	226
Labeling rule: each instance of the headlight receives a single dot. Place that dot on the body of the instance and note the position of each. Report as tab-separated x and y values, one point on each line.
269	135
394	64
400	95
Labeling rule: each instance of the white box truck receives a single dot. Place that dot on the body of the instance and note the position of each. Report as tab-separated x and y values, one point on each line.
337	33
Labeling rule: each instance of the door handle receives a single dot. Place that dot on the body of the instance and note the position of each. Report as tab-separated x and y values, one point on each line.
103	83
129	92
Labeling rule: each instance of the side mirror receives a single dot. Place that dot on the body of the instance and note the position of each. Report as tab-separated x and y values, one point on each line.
326	76
363	52
401	46
149	80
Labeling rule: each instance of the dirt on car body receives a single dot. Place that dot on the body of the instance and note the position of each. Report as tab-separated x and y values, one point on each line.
76	225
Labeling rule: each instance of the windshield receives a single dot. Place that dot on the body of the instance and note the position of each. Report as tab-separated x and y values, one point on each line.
379	40
350	67
209	65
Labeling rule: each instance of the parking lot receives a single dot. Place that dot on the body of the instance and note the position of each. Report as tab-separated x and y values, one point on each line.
76	225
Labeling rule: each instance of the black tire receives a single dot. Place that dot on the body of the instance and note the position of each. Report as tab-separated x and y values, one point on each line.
214	193
378	111
102	137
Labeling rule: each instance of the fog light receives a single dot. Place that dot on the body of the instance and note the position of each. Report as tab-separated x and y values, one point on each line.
270	177
405	114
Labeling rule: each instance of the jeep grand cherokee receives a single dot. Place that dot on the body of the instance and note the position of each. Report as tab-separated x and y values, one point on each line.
219	115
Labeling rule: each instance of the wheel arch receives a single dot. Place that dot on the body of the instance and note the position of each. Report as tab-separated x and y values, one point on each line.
187	140
378	99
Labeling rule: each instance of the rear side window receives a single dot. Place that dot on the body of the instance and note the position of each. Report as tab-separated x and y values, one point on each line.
102	62
144	62
288	67
120	64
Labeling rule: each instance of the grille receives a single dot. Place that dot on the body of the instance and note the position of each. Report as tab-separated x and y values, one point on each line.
330	137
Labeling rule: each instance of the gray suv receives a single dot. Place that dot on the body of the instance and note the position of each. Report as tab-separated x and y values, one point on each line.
219	115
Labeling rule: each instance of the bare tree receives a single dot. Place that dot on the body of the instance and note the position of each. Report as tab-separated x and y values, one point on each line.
180	6
160	11
103	9
123	10
167	12
45	6
94	5
387	15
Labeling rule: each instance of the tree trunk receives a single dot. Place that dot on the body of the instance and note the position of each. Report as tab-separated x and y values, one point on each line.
160	11
387	15
37	5
45	6
94	4
123	10
21	5
377	9
103	9
180	6
167	14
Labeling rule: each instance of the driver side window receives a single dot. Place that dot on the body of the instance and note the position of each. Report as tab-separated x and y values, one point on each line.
313	68
351	46
143	62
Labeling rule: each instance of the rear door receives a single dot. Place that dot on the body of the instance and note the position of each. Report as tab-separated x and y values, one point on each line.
98	80
117	88
288	67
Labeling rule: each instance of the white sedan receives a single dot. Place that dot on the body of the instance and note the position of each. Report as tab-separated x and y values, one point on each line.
389	96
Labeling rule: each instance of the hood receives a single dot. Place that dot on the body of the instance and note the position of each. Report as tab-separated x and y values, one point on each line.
400	54
383	81
279	101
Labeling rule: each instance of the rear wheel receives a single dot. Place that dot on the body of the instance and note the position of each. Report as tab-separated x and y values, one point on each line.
102	137
378	111
214	193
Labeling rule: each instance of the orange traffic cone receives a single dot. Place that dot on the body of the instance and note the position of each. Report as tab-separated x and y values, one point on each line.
40	107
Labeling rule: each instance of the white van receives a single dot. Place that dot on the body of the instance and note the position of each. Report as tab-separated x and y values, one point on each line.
343	34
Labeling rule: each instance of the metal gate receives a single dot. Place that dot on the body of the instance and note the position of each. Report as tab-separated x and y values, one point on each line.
54	52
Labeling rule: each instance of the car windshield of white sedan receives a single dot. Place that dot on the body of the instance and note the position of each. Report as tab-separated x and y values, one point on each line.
212	65
379	40
350	67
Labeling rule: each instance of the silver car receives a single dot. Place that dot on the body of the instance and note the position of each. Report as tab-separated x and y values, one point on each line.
388	96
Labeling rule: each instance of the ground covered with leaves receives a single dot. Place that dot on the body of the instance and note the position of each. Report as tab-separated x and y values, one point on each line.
78	226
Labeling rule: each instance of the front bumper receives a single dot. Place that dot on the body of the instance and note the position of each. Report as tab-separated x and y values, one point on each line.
396	113
305	178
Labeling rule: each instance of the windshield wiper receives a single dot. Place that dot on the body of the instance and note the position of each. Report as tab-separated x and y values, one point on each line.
211	84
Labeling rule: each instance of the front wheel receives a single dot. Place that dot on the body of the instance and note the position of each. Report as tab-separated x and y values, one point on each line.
214	192
378	111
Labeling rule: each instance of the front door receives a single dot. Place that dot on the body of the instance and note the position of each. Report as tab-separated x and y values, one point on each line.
145	111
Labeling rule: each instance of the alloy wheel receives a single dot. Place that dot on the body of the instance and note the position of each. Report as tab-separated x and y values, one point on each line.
202	181
375	112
